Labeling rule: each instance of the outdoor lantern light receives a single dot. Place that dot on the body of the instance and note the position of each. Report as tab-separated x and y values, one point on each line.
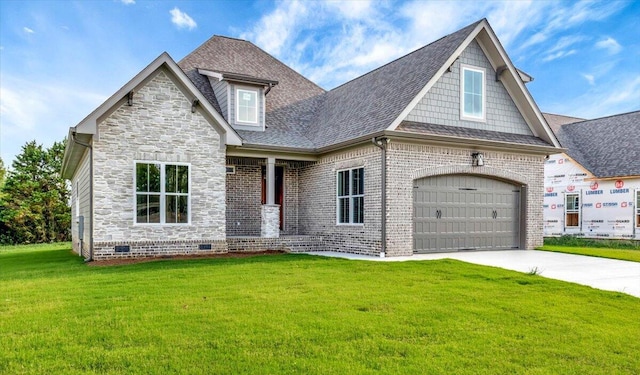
477	159
194	104
130	98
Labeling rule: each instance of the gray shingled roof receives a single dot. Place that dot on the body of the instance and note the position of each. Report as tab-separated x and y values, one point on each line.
556	121
242	57
370	103
458	131
607	147
301	115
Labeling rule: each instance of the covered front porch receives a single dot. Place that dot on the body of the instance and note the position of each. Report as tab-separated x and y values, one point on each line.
262	206
262	197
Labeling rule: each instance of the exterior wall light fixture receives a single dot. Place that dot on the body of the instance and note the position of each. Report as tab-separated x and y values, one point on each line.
477	159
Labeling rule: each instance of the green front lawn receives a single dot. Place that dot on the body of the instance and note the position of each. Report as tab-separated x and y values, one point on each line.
614	249
301	314
622	254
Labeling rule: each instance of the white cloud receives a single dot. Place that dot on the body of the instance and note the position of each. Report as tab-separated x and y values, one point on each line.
590	78
182	20
615	95
557	17
610	44
560	49
558	55
352	9
42	110
564	42
28	30
278	28
128	2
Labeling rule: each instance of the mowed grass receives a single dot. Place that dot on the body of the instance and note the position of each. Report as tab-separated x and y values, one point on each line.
298	314
614	249
622	254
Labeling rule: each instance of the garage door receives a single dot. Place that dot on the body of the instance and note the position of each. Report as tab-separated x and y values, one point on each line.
464	212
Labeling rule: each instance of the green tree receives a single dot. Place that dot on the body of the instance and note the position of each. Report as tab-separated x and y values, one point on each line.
3	173
34	203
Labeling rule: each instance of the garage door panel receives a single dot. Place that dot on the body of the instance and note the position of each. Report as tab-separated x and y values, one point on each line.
474	213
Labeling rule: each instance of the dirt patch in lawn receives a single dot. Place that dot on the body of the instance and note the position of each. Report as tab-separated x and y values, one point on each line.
122	261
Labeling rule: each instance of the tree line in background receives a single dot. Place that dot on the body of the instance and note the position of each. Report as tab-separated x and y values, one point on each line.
34	198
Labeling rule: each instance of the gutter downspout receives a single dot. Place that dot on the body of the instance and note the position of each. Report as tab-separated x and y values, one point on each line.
73	138
381	143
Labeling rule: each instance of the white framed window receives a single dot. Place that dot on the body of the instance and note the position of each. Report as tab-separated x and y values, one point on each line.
162	193
350	196
472	93
637	208
572	211
247	106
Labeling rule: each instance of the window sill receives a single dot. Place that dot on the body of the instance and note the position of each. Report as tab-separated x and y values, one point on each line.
155	225
474	119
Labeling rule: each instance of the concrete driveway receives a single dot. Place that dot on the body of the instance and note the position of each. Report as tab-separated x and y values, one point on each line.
606	274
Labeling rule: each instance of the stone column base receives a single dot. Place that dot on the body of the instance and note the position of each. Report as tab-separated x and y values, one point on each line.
270	223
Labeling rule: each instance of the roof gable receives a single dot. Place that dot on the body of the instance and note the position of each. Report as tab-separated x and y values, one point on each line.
442	103
370	103
503	69
89	125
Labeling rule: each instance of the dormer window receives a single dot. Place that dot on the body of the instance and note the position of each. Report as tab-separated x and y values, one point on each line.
242	98
247	106
472	93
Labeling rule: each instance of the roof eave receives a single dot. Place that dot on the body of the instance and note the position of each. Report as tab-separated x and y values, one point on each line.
515	86
473	143
73	153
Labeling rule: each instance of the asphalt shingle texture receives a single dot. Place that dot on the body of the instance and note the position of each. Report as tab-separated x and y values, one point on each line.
370	103
468	133
607	147
301	115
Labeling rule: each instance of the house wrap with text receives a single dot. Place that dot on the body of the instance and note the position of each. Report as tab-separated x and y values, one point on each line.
593	189
231	150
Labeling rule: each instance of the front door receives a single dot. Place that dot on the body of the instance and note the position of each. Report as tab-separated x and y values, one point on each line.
279	190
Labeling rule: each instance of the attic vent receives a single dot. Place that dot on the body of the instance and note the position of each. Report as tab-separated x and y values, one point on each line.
231	169
122	249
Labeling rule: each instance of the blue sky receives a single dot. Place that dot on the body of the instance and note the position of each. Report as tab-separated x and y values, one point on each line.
60	59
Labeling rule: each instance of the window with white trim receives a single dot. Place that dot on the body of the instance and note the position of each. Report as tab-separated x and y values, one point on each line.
350	196
247	106
638	208
472	93
162	193
572	210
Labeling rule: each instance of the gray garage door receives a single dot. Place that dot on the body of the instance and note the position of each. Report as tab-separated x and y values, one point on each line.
464	212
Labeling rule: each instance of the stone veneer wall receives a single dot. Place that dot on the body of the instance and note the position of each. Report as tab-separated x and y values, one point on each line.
159	126
317	194
408	162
